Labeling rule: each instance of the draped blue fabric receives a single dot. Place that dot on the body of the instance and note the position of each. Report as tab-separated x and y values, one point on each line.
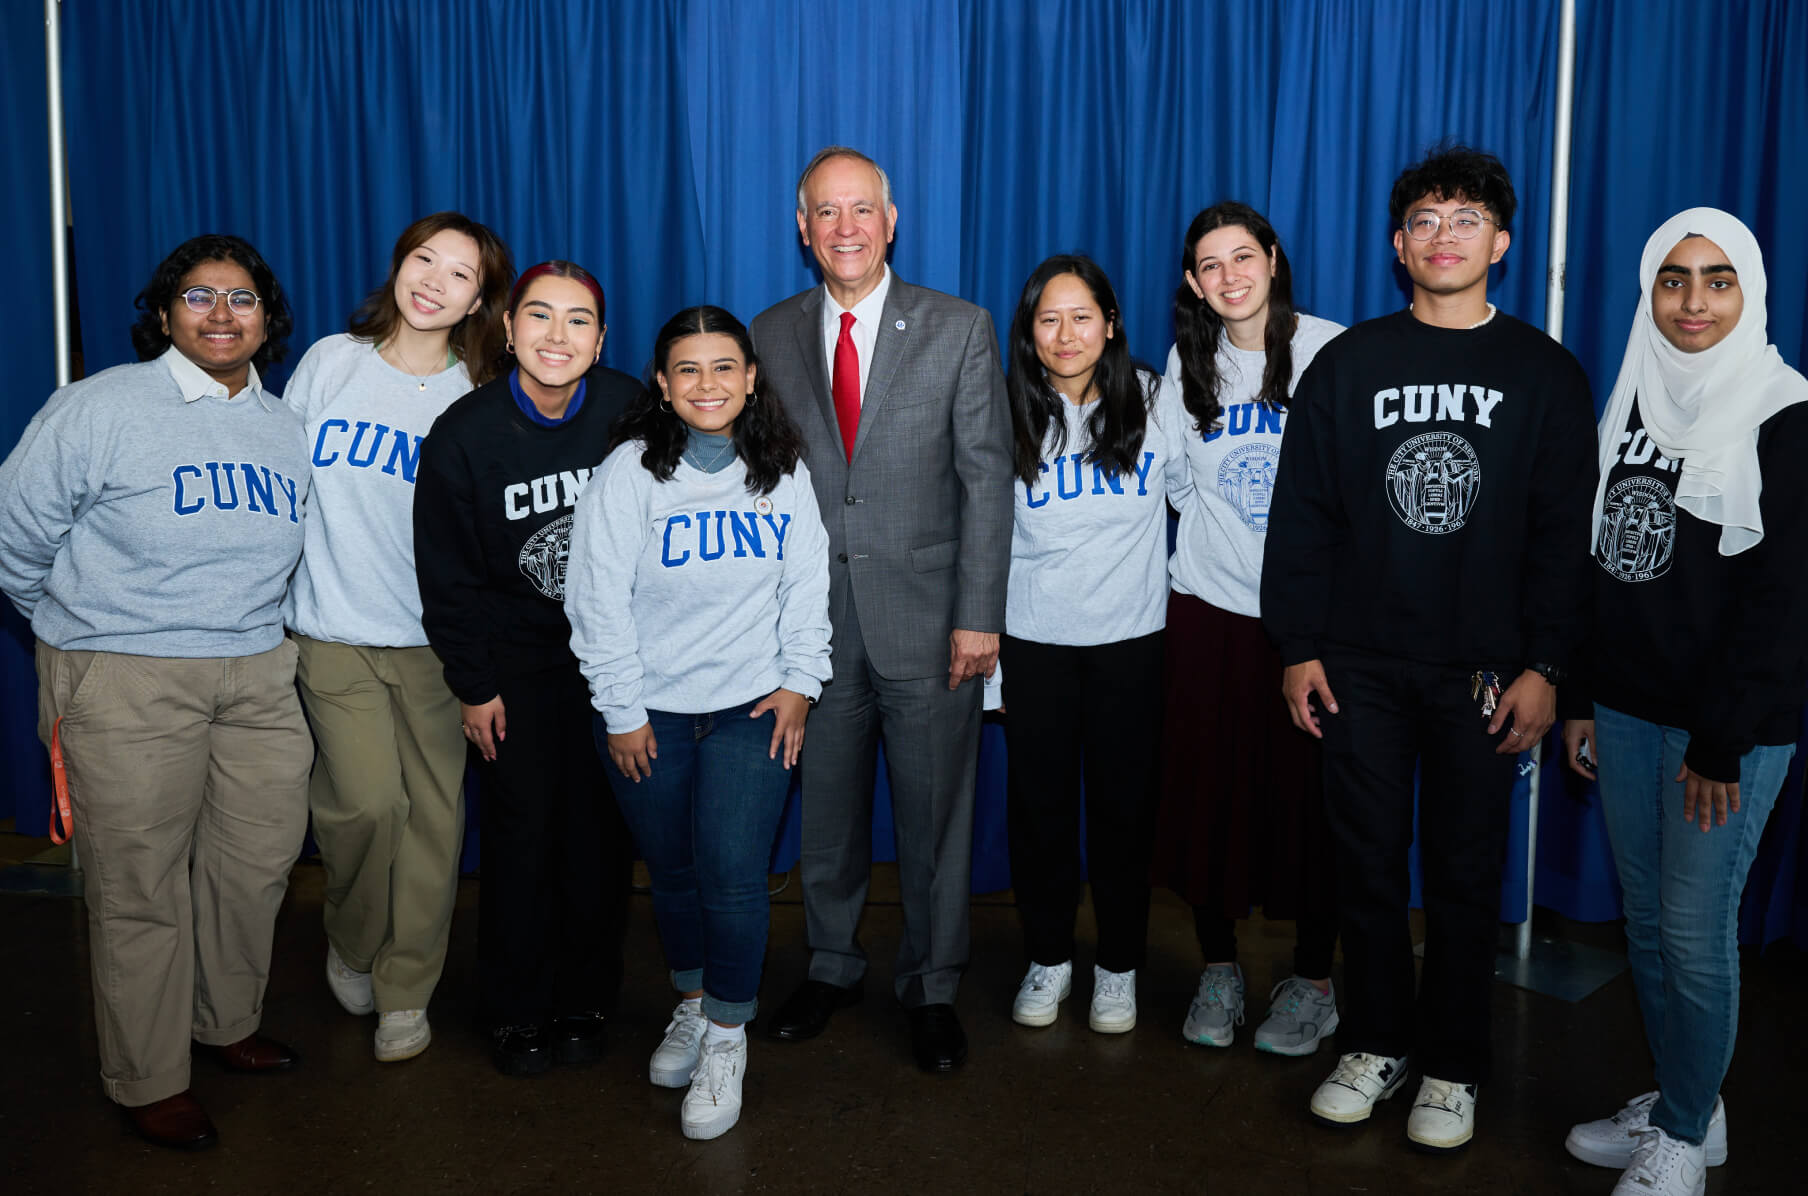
31	368
658	142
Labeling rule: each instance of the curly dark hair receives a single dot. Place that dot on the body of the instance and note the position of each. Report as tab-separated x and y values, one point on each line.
1117	422
1452	171
148	337
1199	331
476	339
765	439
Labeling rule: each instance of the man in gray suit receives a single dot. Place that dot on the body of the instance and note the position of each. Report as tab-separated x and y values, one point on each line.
902	406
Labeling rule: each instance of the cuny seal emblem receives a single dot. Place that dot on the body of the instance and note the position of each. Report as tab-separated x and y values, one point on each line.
1432	481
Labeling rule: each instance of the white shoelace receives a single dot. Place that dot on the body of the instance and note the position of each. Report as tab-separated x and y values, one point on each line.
715	1067
1043	978
1440	1094
1113	985
1354	1067
1636	1111
1656	1156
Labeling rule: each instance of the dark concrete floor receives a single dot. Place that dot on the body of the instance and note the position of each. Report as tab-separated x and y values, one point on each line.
1055	1110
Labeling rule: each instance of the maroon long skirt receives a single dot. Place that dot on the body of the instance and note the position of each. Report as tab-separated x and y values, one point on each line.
1242	819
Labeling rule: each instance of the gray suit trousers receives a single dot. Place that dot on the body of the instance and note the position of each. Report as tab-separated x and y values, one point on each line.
932	752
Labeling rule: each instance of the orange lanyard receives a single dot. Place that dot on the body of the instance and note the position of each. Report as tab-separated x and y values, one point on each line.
59	785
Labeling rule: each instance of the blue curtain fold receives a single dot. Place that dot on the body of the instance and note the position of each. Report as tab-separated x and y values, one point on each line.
658	142
31	373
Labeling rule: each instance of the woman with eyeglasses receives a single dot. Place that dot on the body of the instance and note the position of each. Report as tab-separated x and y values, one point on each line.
1697	666
389	773
1250	829
699	607
1096	465
499	477
150	517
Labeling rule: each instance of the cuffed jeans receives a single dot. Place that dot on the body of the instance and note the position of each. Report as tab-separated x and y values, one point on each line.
704	818
1681	891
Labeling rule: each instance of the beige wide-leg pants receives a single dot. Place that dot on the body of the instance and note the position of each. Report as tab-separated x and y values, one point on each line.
188	785
387	799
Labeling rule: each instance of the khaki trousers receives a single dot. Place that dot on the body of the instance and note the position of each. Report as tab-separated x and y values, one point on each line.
188	785
388	811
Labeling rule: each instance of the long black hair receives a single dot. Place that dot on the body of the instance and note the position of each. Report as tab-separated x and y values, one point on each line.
1199	331
160	294
765	439
1115	427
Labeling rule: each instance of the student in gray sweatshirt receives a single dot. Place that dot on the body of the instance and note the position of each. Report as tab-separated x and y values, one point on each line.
697	590
387	786
150	517
1097	466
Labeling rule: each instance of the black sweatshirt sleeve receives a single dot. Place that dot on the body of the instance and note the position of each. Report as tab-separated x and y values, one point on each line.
1557	575
1756	662
1307	523
449	563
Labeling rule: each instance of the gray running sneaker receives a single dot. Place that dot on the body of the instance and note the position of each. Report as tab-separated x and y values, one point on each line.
1217	1008
1299	1016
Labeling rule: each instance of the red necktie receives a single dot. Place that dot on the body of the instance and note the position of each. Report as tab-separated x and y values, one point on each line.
846	385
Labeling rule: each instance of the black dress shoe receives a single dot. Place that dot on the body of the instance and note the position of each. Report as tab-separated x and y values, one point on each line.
578	1039
177	1122
520	1050
936	1038
807	1010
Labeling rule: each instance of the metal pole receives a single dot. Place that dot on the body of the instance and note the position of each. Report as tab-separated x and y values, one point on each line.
59	190
1553	324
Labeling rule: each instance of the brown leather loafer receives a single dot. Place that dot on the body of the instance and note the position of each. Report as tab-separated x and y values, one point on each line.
177	1122
254	1053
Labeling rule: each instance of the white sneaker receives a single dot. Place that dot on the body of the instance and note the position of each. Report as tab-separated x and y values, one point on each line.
713	1104
1443	1116
351	989
1299	1016
1611	1141
1664	1166
1040	995
1113	1001
1351	1092
1217	1008
676	1058
402	1034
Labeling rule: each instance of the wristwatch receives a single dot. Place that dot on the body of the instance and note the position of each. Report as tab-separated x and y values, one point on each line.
1549	672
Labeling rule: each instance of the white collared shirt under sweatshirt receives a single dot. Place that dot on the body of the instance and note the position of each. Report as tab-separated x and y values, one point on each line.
692	595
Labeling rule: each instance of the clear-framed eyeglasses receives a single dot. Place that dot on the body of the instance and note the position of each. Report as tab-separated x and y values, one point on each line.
240	302
1465	224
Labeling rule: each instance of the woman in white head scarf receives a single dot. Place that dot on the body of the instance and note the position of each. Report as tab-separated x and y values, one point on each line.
1698	663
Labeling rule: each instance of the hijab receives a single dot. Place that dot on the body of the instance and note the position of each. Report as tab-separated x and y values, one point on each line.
1704	409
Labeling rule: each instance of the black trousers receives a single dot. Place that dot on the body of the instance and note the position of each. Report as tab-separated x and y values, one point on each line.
553	905
1314	943
1091	713
1395	714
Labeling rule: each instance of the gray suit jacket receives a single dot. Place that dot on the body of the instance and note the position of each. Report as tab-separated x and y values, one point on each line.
920	521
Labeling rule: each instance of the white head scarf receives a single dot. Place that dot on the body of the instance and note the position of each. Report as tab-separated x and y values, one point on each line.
1704	408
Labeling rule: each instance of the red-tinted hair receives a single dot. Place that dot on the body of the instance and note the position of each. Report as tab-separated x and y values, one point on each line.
556	268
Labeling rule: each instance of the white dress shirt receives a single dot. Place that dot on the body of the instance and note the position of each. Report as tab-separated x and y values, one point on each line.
864	332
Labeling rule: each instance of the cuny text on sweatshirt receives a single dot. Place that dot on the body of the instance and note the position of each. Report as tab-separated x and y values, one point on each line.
1089	546
365	422
144	512
1218	548
1429	483
693	595
493	501
1684	637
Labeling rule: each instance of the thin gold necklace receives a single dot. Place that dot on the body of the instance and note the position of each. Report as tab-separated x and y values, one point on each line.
416	374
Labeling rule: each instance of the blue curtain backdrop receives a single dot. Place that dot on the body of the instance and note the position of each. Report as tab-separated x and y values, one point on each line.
659	142
31	368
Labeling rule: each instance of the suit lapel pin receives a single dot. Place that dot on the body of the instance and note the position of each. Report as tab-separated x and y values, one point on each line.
899	325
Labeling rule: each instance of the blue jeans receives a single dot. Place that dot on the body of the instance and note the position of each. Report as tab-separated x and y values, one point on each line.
704	819
1681	893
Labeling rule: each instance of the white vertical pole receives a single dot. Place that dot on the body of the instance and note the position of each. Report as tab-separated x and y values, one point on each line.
59	190
1553	324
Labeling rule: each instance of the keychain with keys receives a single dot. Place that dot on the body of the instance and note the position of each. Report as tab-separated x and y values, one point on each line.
1485	686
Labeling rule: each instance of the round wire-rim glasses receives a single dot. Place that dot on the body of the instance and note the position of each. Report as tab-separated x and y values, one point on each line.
240	301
